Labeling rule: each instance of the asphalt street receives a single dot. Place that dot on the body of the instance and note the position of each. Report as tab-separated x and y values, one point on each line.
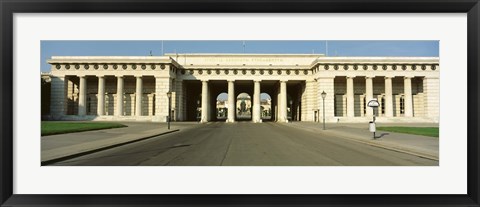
247	144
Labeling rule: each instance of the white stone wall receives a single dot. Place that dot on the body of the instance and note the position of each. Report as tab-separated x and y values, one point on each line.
326	84
309	102
315	72
303	99
431	87
162	86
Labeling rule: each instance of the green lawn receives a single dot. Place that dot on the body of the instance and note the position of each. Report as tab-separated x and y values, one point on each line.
53	127
425	131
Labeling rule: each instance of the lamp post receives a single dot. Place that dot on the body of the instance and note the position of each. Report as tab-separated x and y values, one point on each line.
323	98
169	95
196	111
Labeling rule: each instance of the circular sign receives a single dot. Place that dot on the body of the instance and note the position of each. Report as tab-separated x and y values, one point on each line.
373	103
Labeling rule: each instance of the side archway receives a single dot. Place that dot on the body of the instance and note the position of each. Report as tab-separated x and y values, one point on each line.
221	111
266	107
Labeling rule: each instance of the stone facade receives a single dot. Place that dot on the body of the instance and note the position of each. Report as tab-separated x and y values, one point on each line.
88	88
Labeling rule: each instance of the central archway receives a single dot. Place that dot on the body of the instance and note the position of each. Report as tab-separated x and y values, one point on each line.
244	107
266	107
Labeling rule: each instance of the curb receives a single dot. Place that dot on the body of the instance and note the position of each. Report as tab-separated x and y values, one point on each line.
66	157
396	149
392	148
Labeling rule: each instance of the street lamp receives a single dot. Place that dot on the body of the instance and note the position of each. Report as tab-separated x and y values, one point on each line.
323	97
169	95
374	104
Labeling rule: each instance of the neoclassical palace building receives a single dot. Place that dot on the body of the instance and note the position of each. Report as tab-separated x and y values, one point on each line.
134	88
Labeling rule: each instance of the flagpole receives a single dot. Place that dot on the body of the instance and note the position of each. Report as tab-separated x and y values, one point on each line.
326	47
243	46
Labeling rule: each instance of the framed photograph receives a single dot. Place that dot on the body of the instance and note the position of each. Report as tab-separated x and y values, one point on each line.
200	103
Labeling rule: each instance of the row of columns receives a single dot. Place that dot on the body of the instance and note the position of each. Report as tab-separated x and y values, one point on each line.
82	98
388	96
256	113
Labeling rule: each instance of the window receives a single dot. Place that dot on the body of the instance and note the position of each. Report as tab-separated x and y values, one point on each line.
335	106
89	105
383	105
402	105
364	106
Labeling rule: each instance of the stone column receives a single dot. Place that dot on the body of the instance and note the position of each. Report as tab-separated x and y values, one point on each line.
388	97
119	111
138	96
82	97
231	101
101	96
368	94
59	90
407	87
350	97
256	115
205	106
282	112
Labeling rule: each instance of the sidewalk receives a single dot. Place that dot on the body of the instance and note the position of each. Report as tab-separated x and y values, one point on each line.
57	147
423	146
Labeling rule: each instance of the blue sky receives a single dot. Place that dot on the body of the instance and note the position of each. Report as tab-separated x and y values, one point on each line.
142	48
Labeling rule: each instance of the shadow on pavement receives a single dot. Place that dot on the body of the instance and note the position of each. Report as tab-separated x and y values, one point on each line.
381	135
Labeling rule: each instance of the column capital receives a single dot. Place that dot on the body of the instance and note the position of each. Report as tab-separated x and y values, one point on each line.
257	80
230	80
138	76
408	77
389	77
100	76
369	77
119	76
351	76
283	81
81	76
205	80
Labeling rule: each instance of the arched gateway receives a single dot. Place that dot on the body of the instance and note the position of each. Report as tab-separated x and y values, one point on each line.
135	88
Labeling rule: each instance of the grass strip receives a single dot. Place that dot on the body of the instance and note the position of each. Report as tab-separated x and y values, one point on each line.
53	127
424	131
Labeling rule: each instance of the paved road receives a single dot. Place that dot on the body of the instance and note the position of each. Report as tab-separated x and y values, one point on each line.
247	144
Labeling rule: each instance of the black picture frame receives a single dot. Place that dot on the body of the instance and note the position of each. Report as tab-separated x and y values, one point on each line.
9	7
